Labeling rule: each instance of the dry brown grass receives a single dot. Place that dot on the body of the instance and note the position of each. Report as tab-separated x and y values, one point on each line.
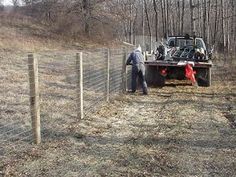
18	32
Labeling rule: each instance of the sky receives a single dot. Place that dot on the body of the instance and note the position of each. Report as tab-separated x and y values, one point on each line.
7	2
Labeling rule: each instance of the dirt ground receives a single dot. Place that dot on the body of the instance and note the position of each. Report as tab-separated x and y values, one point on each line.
179	130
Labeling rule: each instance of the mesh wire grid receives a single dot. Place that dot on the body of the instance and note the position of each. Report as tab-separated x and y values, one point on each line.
116	70
59	89
58	92
15	121
94	79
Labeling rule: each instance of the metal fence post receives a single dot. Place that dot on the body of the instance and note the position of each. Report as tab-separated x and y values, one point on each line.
108	76
124	71
34	97
79	70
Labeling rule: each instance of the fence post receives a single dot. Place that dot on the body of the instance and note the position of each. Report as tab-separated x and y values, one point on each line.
79	70
34	97
108	76
124	72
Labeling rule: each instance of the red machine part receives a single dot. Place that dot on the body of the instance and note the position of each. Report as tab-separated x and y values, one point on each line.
190	73
163	72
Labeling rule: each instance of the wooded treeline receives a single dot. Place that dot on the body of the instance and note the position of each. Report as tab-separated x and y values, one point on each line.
214	20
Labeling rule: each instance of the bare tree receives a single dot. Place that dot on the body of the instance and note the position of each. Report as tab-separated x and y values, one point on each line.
149	23
167	7
1	6
223	25
15	3
156	19
86	13
213	20
208	21
178	25
182	17
204	19
192	20
216	22
163	16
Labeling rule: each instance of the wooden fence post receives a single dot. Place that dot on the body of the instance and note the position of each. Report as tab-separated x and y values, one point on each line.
79	69
124	72
34	97
108	76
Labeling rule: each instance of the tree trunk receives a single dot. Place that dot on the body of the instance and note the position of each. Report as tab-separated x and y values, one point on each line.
182	17
168	22
134	27
199	17
216	20
208	22
163	18
204	20
130	23
179	18
156	19
233	30
223	25
149	26
192	23
143	23
86	13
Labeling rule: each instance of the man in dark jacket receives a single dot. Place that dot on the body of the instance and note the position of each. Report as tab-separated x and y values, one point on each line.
136	59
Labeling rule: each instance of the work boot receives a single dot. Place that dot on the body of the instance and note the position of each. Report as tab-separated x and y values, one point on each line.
145	91
130	91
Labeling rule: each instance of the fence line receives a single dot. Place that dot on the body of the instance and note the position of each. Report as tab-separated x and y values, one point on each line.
15	124
68	87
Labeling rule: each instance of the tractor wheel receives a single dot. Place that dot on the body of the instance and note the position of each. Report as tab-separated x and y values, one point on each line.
150	75
204	77
160	79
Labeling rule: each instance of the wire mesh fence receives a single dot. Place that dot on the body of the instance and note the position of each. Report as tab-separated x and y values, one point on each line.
15	122
94	78
57	85
103	78
116	70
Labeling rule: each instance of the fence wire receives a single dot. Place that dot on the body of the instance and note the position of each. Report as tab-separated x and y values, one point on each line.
15	121
94	78
97	67
116	70
59	77
57	85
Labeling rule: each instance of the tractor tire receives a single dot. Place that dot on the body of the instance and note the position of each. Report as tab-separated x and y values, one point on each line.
160	80
204	77
150	75
153	77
